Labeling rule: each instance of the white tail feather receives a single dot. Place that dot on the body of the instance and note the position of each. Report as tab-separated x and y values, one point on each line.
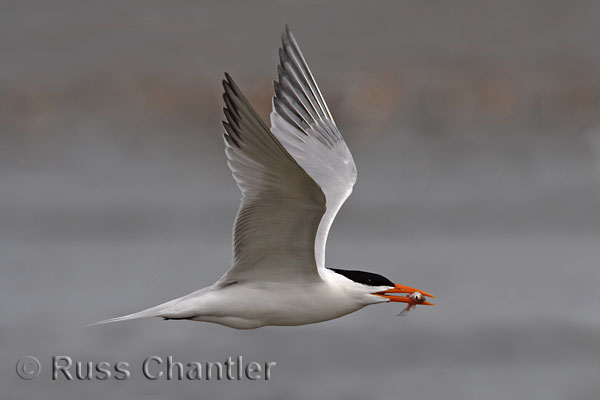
157	311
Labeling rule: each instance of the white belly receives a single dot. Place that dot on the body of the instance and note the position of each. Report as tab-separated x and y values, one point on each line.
250	305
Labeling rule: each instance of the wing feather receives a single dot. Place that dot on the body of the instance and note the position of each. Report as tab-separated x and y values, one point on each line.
294	177
302	122
275	228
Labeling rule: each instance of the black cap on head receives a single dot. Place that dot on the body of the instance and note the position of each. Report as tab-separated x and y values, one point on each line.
366	278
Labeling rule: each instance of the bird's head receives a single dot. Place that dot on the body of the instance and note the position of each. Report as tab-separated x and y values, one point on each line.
374	283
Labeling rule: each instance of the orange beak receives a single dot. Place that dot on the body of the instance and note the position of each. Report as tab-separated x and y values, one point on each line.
404	299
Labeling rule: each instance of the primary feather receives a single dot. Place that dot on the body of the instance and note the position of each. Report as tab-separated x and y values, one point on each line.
294	178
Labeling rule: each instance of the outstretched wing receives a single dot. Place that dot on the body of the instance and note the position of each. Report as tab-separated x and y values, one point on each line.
281	208
304	126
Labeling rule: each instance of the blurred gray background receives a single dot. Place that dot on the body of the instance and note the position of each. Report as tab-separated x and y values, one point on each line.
475	126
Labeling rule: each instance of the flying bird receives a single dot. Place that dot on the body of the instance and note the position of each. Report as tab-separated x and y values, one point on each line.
294	177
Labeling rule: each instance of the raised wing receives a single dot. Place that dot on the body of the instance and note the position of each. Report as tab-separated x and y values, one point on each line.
277	222
303	124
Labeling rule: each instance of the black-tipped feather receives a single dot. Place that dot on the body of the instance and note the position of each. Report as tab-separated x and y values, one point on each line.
298	99
281	205
303	124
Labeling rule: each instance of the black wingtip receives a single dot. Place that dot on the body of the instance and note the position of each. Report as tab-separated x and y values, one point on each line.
230	87
226	87
286	36
227	81
229	92
290	39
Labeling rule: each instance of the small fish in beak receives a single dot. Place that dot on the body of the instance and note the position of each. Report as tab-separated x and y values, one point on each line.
417	298
414	298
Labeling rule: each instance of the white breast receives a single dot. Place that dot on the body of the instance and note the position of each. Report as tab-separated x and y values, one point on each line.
247	305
